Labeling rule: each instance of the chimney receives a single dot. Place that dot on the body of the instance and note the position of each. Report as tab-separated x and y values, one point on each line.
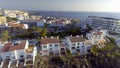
52	37
57	37
77	35
82	36
45	36
41	37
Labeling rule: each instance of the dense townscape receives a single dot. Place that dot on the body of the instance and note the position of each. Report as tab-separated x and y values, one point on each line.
29	41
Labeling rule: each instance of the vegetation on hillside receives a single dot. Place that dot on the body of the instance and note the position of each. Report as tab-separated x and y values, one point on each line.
106	57
5	35
10	19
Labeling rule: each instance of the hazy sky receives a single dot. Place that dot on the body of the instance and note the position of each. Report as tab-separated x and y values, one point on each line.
63	5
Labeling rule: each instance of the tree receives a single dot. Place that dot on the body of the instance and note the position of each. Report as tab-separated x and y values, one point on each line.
95	50
44	32
38	30
46	25
10	18
15	19
5	35
56	28
1	15
89	28
112	40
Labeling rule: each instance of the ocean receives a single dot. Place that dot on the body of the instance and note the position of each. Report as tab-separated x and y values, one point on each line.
80	15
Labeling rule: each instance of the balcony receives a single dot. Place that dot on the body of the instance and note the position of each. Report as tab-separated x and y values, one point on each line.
6	63
29	56
51	53
21	63
13	64
73	48
62	51
55	53
29	62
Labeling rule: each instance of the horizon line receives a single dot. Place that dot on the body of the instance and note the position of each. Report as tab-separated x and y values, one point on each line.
72	11
62	10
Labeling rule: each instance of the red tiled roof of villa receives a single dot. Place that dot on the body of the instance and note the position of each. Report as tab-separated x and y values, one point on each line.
76	39
6	47
49	40
97	33
19	46
16	25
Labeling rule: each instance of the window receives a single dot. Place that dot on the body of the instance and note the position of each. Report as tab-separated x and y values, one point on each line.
62	48
13	57
44	46
7	57
50	48
77	46
83	43
78	50
50	45
78	43
56	53
73	48
66	44
73	44
21	56
56	45
28	56
88	50
83	46
17	28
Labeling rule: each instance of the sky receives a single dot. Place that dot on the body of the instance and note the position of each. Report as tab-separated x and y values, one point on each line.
63	5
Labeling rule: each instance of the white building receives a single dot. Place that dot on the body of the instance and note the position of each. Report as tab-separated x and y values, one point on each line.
51	46
111	24
58	22
20	15
97	37
77	44
33	23
118	42
18	53
14	28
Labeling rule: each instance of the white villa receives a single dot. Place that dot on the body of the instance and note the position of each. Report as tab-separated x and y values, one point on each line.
33	22
17	54
52	46
20	15
77	44
97	37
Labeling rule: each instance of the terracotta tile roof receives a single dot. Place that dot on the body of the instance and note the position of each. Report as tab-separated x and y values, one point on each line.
49	40
97	33
6	47
16	25
76	39
20	46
